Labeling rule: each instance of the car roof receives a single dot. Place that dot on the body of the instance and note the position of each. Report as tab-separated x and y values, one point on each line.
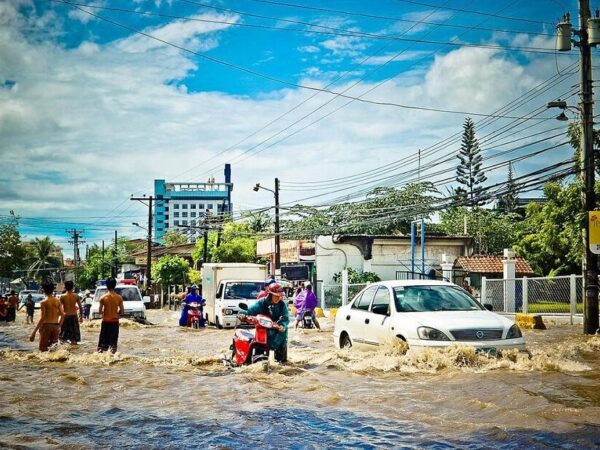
403	283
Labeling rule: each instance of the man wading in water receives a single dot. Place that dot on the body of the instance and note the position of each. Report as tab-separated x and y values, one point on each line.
111	306
13	302
49	323
70	326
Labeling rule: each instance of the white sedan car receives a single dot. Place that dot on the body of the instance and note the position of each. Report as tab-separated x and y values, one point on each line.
424	314
132	300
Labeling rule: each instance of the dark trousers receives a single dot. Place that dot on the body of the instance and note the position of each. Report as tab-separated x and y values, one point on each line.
109	336
11	314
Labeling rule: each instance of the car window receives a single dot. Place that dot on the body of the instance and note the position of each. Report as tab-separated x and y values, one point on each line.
433	298
381	301
365	299
129	294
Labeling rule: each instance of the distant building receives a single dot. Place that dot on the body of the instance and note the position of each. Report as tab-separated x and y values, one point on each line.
180	205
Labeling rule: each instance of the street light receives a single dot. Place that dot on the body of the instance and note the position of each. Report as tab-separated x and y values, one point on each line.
277	242
139	226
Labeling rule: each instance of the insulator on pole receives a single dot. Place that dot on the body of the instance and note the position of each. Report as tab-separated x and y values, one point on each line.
564	31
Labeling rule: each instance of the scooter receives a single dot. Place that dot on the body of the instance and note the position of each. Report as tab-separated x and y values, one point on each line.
249	347
307	319
194	317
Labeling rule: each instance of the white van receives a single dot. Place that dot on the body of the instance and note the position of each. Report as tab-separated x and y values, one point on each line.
226	285
132	300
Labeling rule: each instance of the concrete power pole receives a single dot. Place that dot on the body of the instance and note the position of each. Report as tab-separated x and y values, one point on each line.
148	276
75	240
590	316
277	235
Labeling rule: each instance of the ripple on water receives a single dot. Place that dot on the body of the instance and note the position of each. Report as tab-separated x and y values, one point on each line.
269	428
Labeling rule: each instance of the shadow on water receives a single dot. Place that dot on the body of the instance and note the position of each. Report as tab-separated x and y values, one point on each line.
271	428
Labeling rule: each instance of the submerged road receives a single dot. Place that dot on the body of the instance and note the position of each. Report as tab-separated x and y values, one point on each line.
167	388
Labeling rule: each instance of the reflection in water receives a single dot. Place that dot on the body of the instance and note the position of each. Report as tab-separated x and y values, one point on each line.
168	388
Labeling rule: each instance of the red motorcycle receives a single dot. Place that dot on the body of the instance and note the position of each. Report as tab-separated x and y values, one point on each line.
194	316
250	346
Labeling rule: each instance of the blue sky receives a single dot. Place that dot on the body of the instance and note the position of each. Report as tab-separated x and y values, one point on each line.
91	113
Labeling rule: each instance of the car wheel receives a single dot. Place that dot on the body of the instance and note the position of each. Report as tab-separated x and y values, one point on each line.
218	324
345	341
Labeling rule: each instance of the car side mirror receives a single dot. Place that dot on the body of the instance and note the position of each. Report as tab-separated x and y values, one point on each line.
243	306
146	299
488	306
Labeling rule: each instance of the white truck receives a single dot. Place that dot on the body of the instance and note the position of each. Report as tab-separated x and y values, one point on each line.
226	285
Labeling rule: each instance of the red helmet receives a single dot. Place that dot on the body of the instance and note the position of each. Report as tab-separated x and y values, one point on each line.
275	289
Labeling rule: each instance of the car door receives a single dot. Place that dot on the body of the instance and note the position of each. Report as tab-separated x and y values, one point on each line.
377	323
358	314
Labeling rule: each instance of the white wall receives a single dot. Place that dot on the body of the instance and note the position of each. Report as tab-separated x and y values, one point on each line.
387	254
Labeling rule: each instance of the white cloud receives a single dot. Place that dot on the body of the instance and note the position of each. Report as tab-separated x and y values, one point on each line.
84	17
309	49
88	126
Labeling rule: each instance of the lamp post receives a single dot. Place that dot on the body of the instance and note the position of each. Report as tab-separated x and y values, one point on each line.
277	241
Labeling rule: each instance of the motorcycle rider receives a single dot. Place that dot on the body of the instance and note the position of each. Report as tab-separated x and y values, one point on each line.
276	309
306	301
192	297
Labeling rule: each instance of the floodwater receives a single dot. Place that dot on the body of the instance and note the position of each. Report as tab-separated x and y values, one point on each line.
167	388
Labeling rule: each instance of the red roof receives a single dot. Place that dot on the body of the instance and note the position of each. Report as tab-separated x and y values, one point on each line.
491	264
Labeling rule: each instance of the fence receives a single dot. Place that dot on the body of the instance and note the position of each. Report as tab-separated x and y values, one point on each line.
546	295
336	295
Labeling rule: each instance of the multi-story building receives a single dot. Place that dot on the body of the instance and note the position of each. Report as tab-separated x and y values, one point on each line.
179	206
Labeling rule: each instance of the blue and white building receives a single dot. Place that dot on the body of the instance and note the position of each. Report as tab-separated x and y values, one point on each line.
179	205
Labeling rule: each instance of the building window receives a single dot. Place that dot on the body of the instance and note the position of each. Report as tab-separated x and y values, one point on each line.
184	214
160	229
201	206
193	206
193	222
176	223
184	222
166	209
209	206
176	206
193	214
184	206
176	214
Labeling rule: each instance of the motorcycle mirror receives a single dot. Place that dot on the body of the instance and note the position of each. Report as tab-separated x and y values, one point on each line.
243	306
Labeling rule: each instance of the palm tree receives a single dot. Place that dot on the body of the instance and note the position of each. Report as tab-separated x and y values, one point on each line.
41	257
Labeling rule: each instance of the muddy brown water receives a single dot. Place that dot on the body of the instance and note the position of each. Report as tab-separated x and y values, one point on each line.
167	388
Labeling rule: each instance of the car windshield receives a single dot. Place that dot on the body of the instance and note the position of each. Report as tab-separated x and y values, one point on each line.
433	298
247	290
129	294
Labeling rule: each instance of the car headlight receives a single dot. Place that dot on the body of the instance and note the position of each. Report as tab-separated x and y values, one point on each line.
431	334
514	332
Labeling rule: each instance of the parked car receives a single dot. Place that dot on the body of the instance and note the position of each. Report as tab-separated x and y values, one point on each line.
23	294
424	314
132	300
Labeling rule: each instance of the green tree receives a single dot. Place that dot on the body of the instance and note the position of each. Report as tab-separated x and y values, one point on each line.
91	271
469	172
238	244
174	237
492	231
551	236
170	270
259	222
12	252
199	248
41	258
357	277
509	200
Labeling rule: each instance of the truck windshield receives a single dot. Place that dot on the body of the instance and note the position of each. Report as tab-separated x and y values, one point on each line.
247	290
129	294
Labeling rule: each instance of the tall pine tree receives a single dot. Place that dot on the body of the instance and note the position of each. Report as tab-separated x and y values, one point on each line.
509	199
469	172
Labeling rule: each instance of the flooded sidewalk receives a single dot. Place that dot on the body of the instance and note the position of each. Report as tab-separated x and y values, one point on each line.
168	388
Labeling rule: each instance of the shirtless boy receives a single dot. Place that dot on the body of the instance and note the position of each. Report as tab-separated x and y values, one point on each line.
70	327
49	323
111	306
12	303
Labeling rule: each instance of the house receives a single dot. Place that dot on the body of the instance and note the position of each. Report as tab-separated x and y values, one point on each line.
490	266
389	256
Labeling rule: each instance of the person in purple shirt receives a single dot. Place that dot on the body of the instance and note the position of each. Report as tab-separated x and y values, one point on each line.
306	301
192	297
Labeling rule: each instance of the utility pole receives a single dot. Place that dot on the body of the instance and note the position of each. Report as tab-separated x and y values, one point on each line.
277	237
102	269
205	228
148	277
590	316
75	240
115	261
589	36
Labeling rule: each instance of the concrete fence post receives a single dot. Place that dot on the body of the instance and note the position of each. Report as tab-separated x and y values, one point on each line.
525	290
323	296
573	296
344	287
483	290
